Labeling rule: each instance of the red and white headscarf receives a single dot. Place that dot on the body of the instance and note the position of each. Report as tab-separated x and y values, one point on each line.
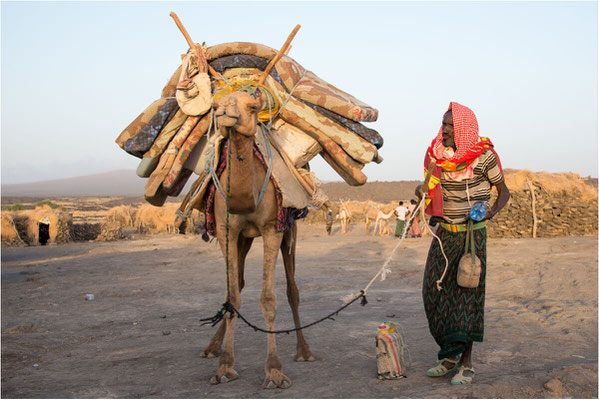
465	128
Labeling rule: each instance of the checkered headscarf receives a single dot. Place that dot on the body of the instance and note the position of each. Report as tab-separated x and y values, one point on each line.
465	128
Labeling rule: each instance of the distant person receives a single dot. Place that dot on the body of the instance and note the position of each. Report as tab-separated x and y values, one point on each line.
464	167
329	221
414	228
400	211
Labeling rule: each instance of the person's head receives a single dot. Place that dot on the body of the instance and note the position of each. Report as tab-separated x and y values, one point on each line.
412	201
447	129
330	211
401	203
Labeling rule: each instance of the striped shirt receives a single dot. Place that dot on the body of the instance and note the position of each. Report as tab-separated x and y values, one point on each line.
458	197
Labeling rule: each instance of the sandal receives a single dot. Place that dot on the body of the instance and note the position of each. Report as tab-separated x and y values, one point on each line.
460	379
440	369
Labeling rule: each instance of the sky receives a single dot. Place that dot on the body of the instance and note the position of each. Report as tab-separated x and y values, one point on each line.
75	74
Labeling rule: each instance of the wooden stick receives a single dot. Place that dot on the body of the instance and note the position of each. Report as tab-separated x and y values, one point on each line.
199	52
279	55
534	213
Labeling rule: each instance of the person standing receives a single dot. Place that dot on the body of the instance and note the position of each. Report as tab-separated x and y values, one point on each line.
463	167
414	228
329	221
400	211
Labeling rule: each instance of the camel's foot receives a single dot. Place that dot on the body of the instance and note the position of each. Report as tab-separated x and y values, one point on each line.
276	379
304	354
224	375
208	353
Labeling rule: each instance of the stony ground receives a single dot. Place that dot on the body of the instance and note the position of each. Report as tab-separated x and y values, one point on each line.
140	336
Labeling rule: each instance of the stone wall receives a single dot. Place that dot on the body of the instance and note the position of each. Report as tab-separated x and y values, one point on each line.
558	214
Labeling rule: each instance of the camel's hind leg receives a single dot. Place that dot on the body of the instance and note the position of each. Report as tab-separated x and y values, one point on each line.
288	251
214	347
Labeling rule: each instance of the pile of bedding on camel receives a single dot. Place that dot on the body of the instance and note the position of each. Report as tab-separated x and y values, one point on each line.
304	116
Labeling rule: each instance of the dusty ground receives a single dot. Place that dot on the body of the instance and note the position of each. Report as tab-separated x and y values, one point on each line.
140	337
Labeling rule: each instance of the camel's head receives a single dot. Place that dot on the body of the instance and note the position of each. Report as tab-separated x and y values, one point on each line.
239	110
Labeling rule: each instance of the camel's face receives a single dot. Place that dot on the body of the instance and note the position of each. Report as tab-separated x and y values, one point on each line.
239	111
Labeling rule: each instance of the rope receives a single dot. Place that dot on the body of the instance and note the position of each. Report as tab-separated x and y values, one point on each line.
269	170
228	307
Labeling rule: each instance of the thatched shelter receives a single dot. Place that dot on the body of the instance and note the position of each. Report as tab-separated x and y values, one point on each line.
10	235
43	225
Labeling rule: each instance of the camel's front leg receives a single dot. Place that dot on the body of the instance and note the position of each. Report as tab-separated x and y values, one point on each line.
268	302
214	347
225	372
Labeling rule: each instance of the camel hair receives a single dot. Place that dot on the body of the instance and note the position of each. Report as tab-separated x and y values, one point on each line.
236	117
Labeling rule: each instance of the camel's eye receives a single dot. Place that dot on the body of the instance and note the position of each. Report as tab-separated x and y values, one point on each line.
252	108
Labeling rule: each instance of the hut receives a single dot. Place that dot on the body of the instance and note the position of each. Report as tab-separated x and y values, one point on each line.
42	225
10	234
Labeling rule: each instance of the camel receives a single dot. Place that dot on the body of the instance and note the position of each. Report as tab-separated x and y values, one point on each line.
236	117
344	217
371	215
382	222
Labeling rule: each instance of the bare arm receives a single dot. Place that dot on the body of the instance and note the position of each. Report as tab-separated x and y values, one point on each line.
503	195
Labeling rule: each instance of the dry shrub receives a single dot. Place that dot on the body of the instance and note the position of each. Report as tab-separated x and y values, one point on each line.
552	183
121	215
28	222
10	235
111	230
151	219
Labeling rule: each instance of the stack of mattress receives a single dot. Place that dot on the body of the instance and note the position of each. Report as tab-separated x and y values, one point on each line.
310	117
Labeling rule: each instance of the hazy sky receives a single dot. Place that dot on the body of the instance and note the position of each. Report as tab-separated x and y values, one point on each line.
75	74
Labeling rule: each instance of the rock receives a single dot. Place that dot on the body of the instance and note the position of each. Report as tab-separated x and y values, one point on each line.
555	386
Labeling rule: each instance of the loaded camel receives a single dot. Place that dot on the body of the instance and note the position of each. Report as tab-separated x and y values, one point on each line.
236	115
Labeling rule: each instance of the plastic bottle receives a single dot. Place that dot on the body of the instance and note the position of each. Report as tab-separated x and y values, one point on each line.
89	296
478	211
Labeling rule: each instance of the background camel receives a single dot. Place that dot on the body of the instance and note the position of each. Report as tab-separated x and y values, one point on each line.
382	222
243	178
344	217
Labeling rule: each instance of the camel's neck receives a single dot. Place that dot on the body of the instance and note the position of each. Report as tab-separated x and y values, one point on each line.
244	192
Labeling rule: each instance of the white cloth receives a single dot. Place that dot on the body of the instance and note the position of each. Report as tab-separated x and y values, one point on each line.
401	213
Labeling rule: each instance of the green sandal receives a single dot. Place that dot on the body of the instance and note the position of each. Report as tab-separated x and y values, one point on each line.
440	369
460	379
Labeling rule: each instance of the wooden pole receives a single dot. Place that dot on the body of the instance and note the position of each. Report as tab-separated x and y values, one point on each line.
279	55
534	214
199	52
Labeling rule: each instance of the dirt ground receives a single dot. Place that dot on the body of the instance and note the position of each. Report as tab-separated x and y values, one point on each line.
140	336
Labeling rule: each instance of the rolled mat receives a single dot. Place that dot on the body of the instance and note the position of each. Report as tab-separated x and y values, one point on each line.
337	158
139	122
142	142
185	150
179	183
150	160
168	157
358	148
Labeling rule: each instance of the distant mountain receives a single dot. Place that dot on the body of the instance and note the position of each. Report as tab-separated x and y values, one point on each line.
116	183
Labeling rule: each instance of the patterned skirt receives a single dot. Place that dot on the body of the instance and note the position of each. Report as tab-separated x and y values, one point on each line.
455	314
